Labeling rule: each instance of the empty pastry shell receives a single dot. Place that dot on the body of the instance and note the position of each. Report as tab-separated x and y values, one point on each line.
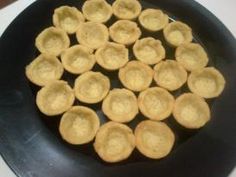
191	111
149	50
92	34
126	9
44	69
114	142
112	56
136	76
55	98
170	74
206	82
91	87
52	41
79	125
125	32
156	103
178	33
154	139
68	18
191	56
97	11
153	19
78	59
120	105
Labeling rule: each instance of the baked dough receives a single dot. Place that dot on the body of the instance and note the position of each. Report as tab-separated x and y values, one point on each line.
91	87
68	18
79	125
114	142
206	82
170	75
78	59
136	76
153	19
177	33
191	56
112	56
97	11
44	69
52	41
156	103
55	98
154	139
120	105
191	111
125	32
149	50
92	34
126	9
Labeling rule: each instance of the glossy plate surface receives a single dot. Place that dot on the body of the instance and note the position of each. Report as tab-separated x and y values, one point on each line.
29	141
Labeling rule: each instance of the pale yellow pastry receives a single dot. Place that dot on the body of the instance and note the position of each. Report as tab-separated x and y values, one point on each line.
191	56
112	56
97	10
55	98
206	82
191	111
120	105
177	33
125	32
126	9
79	125
52	41
44	69
91	87
114	142
149	50
78	59
136	76
170	75
92	34
154	139
156	103
68	18
153	19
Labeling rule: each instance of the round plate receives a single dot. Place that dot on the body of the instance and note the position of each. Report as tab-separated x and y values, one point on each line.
29	141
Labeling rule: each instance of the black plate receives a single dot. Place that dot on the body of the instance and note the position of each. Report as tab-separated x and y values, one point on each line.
30	144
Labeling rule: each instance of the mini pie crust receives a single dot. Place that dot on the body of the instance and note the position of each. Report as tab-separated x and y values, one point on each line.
206	82
178	33
55	98
126	9
136	76
112	56
170	75
79	125
44	69
78	59
67	18
191	56
191	111
156	103
153	19
154	139
114	142
91	87
149	50
52	41
92	34
97	11
120	105
125	32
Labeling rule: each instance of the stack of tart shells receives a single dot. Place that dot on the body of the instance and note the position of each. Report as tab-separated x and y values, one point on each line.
149	79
